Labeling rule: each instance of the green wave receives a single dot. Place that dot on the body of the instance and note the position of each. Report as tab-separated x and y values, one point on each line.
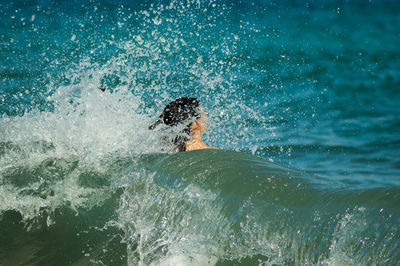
210	207
253	210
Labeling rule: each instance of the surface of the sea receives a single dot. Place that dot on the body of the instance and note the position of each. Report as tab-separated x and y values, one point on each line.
302	100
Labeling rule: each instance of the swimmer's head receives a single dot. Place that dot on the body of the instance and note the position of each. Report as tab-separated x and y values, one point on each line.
180	112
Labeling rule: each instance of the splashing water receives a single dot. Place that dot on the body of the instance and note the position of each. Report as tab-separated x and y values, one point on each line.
83	180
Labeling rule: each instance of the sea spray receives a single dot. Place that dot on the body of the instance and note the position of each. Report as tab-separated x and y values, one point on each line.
83	180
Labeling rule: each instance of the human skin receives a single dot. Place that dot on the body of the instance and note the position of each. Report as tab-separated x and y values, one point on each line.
195	142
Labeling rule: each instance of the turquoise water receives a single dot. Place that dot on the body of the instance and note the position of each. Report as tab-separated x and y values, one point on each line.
301	99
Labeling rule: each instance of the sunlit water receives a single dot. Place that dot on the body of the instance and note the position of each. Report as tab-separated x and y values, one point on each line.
302	100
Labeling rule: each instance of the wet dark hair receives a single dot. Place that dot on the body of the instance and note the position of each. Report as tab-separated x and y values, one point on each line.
176	113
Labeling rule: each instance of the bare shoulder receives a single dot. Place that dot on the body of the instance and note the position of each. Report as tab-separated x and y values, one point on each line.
195	145
210	147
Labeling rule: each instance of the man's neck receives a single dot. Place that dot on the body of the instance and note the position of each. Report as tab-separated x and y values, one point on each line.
195	136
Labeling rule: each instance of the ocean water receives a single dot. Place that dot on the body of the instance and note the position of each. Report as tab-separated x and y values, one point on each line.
302	102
